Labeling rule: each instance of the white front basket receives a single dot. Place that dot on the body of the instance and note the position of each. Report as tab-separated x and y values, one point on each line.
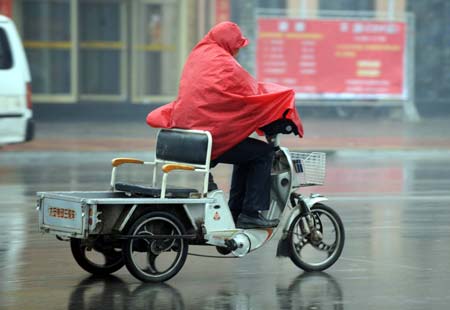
309	168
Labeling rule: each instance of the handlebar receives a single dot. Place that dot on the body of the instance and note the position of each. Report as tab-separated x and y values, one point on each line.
280	126
283	126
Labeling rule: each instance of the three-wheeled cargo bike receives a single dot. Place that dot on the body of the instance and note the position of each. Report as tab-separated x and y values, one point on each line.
150	228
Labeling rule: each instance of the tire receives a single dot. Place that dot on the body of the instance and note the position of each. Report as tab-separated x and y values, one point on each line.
113	259
334	250
148	251
29	132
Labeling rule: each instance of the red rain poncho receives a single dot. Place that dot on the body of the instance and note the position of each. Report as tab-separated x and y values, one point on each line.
218	95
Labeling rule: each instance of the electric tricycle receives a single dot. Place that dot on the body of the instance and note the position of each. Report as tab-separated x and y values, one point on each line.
149	228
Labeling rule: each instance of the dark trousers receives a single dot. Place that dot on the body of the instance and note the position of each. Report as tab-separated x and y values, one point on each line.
250	183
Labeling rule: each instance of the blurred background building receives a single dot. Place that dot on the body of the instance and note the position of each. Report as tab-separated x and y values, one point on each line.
125	53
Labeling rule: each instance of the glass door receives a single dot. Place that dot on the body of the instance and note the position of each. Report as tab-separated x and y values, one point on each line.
50	43
103	48
155	49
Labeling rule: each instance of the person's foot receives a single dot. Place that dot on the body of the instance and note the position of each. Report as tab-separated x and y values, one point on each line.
259	221
212	186
235	216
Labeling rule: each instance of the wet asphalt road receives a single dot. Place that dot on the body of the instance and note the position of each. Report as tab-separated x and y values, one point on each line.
395	209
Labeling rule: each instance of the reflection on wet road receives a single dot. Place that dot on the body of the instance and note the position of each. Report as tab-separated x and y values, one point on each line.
306	291
395	212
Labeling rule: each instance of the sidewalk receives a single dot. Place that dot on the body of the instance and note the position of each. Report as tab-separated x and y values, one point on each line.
320	135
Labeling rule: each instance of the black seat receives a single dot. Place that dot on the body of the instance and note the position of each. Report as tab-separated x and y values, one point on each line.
143	191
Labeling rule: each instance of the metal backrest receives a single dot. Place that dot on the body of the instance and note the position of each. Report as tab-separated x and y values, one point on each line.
192	147
184	146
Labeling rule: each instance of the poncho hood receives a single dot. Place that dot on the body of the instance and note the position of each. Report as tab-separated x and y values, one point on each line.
227	35
218	95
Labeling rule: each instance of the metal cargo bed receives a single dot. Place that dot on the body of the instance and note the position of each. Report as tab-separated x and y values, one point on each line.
76	214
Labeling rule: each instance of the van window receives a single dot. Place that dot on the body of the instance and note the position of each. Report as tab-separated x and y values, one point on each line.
5	51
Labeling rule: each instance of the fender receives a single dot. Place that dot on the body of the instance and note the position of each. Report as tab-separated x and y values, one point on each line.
313	199
283	247
309	201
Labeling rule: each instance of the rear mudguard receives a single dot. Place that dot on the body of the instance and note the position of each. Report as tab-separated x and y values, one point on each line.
283	247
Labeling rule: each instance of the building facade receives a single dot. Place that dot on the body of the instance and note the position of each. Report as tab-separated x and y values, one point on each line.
105	50
133	51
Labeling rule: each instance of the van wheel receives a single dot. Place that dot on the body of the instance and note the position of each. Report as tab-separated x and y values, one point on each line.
29	134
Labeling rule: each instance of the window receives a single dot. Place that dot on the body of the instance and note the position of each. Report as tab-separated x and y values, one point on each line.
156	58
347	5
101	47
47	36
272	4
432	59
5	51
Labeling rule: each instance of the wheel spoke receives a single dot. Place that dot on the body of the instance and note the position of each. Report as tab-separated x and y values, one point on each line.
152	263
299	235
145	231
298	246
167	244
329	249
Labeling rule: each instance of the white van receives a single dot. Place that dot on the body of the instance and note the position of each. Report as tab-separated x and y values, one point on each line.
16	124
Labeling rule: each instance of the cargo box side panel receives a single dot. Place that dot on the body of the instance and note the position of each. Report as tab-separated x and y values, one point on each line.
62	215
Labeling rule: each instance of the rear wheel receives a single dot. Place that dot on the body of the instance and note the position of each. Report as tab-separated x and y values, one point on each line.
158	259
98	256
319	248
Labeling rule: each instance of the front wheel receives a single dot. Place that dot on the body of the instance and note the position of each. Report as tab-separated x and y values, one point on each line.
156	252
318	248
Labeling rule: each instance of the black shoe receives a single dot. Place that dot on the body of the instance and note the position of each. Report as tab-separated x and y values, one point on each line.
235	216
212	186
245	221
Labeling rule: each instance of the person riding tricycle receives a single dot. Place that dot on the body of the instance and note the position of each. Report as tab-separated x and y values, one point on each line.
217	95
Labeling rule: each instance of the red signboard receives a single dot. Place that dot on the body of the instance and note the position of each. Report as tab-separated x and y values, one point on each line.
6	7
222	10
335	59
